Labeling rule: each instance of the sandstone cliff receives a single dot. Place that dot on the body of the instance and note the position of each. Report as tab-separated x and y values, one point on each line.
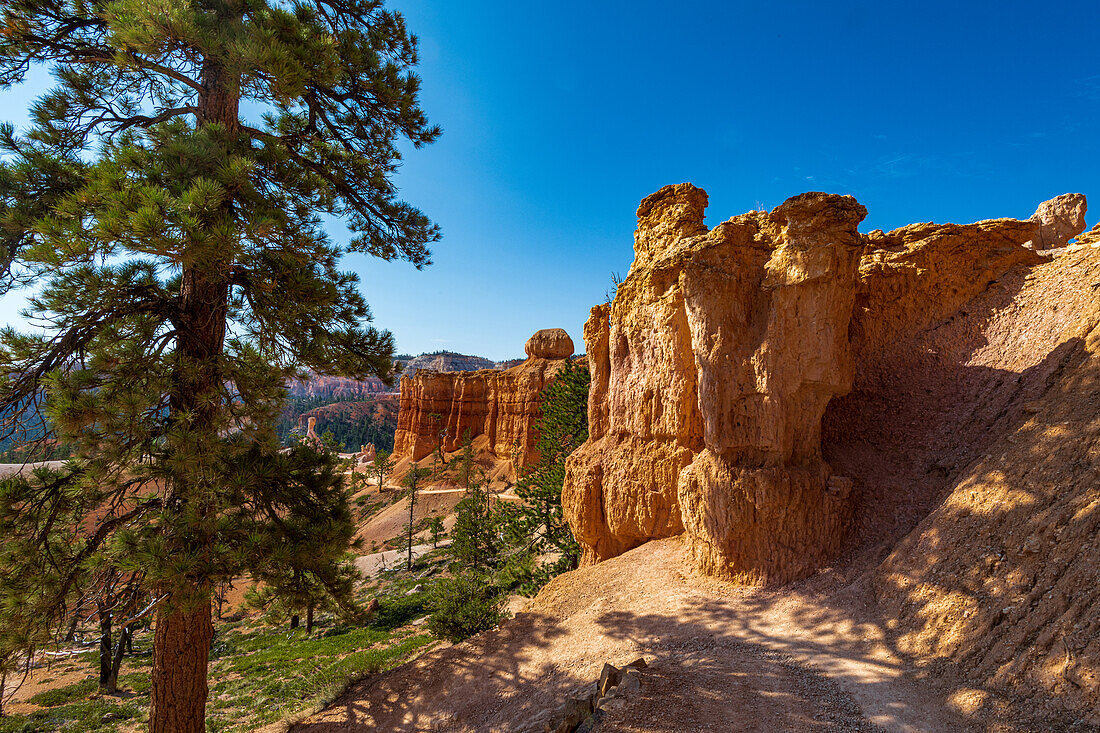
500	405
711	371
974	448
713	368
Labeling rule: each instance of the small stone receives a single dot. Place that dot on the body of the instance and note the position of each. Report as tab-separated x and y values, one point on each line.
609	677
574	712
631	683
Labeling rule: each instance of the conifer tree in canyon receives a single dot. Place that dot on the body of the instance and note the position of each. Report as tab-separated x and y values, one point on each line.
165	208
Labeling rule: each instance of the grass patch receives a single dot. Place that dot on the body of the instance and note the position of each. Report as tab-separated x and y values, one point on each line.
273	675
137	682
102	715
394	611
62	695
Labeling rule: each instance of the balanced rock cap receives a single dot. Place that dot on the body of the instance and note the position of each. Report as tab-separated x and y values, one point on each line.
549	343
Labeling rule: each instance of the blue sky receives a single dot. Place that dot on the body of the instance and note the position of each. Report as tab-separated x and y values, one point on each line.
559	117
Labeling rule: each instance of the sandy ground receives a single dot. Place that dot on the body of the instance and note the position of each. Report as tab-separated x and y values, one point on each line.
369	565
721	657
7	469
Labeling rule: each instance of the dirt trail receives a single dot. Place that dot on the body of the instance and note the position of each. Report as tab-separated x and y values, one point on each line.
721	658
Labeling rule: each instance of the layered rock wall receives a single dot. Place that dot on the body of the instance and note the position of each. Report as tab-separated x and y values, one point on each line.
710	373
713	367
501	405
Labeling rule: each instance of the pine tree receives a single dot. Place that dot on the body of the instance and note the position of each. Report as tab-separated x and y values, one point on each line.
412	482
539	525
383	464
304	562
435	526
182	273
476	541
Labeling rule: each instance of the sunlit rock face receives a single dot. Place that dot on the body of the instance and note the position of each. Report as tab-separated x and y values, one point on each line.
503	405
714	364
1060	219
711	370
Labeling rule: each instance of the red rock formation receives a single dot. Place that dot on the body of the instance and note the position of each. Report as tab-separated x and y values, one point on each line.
920	274
502	405
713	367
710	374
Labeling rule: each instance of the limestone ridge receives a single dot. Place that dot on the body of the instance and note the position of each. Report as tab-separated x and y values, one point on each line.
500	406
714	364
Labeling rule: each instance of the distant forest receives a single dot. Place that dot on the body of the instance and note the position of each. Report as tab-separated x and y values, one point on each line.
351	424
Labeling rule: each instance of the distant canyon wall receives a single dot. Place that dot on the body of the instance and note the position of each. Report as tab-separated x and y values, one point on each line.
502	405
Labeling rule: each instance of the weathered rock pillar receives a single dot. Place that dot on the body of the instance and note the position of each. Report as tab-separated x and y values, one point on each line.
711	371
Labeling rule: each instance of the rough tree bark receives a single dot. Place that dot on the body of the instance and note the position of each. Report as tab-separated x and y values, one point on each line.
181	652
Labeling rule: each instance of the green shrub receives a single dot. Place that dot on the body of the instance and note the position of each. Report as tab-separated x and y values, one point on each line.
464	605
394	611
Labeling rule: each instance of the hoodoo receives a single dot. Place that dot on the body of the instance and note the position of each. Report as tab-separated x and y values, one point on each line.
711	371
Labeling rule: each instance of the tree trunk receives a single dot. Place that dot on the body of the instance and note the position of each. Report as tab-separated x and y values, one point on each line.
116	663
105	649
72	628
294	621
309	619
412	503
181	651
184	629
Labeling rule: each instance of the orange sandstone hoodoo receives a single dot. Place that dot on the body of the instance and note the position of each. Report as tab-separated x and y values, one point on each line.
711	371
714	365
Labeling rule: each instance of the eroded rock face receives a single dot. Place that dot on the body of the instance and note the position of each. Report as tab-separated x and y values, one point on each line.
917	275
1060	219
549	343
502	405
710	373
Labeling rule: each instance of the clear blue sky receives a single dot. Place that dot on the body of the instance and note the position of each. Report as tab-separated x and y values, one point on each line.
559	117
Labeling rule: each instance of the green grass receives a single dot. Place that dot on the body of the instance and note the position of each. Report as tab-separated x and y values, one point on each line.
398	610
269	676
62	695
100	715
